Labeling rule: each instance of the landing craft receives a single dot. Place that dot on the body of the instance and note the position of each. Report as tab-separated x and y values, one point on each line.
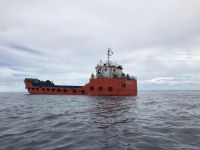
108	81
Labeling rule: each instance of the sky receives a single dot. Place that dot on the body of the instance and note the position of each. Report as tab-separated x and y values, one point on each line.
63	40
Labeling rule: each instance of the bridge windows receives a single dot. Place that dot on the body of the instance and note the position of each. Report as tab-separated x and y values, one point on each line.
99	71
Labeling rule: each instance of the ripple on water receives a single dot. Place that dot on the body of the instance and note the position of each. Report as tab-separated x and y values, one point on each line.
152	120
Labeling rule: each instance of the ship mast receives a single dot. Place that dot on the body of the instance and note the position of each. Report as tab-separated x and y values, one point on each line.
109	53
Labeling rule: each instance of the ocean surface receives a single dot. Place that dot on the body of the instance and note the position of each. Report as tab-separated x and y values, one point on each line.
154	120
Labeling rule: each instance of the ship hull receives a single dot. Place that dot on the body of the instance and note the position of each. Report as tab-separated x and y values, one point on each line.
95	87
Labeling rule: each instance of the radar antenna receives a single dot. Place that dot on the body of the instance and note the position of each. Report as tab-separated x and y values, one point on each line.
109	53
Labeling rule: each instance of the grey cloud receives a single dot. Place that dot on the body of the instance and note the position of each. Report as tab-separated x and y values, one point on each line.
181	80
64	40
24	48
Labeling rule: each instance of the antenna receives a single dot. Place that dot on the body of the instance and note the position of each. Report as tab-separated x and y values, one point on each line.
101	62
109	53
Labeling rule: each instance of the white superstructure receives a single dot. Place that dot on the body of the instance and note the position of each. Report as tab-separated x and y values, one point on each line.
108	69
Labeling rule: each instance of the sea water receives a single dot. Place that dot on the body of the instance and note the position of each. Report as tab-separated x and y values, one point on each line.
153	120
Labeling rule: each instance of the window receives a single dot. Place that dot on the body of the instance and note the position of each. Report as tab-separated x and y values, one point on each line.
47	89
74	91
99	71
58	90
52	90
65	90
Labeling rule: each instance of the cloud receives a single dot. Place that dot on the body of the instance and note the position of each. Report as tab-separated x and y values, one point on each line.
158	41
181	80
23	48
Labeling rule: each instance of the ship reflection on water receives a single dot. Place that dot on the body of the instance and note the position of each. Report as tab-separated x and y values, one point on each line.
110	111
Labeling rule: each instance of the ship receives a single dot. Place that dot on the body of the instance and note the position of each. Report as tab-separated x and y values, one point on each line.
109	80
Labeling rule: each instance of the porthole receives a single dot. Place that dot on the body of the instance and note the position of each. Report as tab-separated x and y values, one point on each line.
33	89
65	90
52	90
58	90
100	88
110	88
92	88
36	89
43	89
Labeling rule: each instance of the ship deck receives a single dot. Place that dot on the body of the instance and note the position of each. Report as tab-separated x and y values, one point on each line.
59	86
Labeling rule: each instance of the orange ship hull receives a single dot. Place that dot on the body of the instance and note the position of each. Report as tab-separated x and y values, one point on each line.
96	87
